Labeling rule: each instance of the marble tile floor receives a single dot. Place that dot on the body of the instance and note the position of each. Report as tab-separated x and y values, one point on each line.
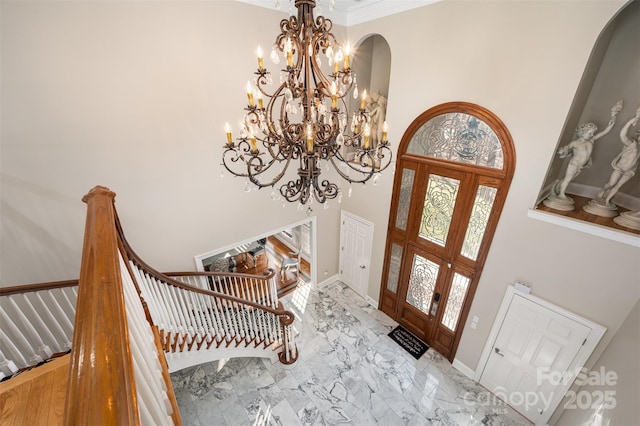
349	372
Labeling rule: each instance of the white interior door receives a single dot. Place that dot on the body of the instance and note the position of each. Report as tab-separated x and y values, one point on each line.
536	348
355	252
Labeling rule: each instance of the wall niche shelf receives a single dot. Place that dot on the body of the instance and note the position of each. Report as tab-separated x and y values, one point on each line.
588	223
610	82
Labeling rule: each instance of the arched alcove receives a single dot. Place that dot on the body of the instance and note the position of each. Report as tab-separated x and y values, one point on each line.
372	67
612	74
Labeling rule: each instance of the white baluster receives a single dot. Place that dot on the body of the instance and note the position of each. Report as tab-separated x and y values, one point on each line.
12	351
203	282
197	315
180	311
174	323
72	295
229	312
19	339
155	292
63	341
49	298
205	319
148	295
66	305
26	326
214	315
7	367
239	310
148	375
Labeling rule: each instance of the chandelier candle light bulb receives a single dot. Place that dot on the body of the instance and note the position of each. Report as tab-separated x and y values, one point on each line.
254	144
364	99
260	59
367	136
385	129
260	102
334	95
250	94
227	129
289	50
309	139
347	52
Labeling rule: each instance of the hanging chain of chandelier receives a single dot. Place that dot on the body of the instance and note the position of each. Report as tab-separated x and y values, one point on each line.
305	119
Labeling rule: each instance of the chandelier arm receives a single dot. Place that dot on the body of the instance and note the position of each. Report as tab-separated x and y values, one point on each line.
255	165
325	190
366	174
268	111
297	190
253	177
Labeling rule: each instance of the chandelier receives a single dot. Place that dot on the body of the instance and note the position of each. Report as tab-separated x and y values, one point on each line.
304	119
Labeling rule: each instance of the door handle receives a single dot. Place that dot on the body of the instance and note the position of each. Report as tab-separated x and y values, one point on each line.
434	305
362	266
497	350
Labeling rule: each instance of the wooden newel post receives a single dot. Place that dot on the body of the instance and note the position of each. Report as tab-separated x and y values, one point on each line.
101	380
289	353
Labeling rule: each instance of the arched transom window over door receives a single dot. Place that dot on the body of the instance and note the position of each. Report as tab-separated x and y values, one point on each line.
455	164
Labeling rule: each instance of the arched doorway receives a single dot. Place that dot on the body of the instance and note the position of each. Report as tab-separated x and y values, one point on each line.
455	164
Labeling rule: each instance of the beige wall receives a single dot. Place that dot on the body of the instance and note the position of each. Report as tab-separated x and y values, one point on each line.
614	381
523	61
134	96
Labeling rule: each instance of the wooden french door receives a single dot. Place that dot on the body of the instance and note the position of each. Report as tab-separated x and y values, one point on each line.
445	208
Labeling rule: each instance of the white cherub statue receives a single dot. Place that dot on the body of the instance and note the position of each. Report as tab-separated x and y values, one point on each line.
579	150
377	108
624	168
625	164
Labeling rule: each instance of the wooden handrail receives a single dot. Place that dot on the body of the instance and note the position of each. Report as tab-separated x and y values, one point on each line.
287	317
268	273
7	291
101	362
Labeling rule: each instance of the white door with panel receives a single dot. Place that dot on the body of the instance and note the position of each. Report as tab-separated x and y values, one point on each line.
536	348
355	251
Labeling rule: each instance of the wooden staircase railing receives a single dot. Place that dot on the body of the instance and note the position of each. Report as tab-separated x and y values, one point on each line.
131	325
37	324
204	316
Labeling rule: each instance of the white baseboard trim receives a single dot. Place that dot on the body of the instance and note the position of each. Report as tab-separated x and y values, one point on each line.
371	302
328	281
463	368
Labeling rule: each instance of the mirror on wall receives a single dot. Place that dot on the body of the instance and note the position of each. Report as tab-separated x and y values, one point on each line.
289	251
372	68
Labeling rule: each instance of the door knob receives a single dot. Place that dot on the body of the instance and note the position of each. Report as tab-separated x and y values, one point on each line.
362	266
497	350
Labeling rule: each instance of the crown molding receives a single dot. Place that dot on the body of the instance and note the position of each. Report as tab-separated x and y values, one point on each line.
350	12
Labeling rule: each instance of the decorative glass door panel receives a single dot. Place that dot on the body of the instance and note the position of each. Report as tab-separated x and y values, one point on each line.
406	188
455	165
438	208
482	205
394	268
459	137
422	283
455	300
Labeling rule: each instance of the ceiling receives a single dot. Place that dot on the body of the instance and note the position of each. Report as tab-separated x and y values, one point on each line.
349	12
